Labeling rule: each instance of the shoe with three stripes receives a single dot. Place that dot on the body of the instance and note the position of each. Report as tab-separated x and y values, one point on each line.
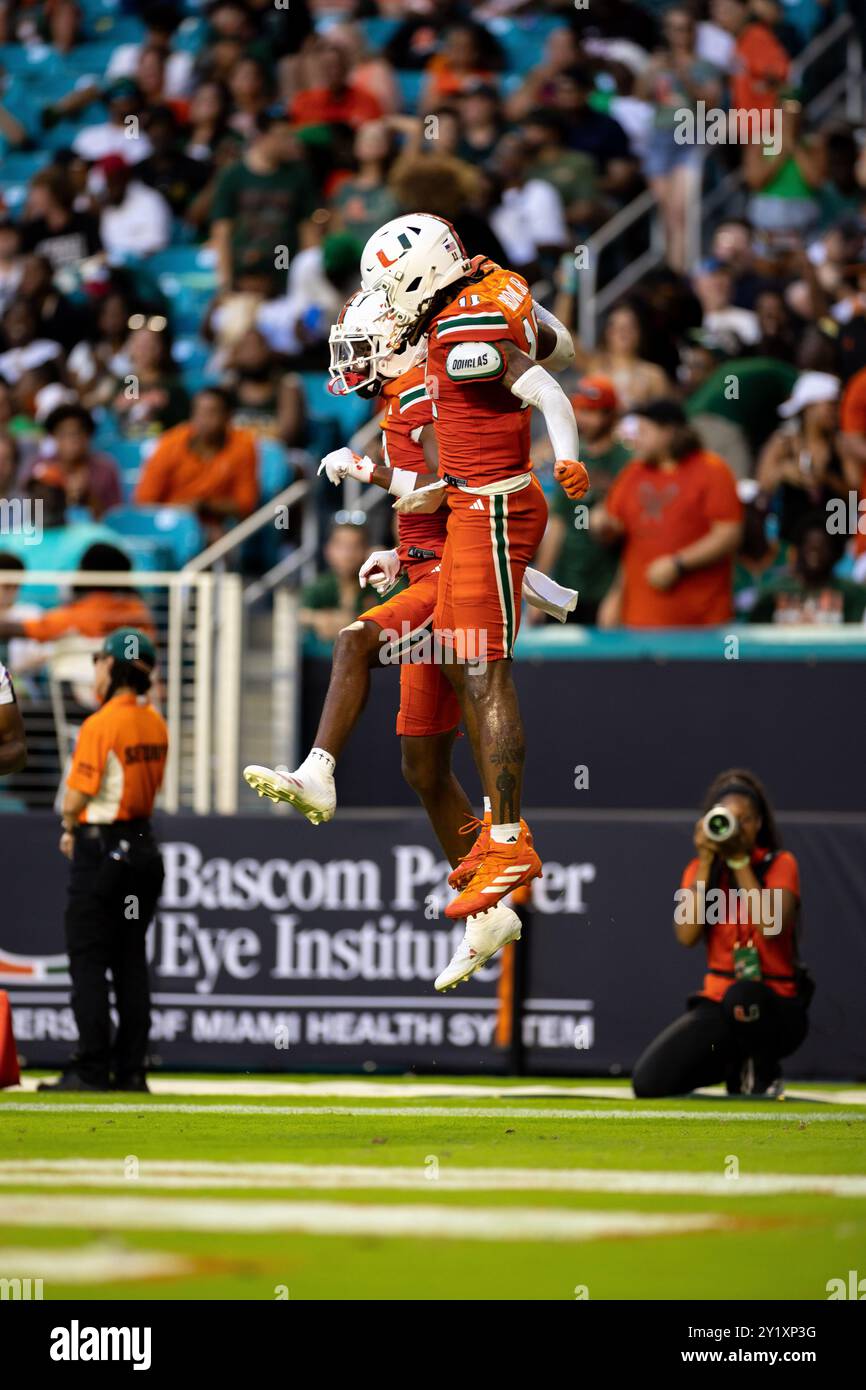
502	869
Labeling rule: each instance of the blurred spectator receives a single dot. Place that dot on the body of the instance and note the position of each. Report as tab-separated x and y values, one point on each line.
811	592
176	176
452	189
321	278
208	127
761	63
362	201
747	391
150	396
538	87
800	469
135	219
568	551
368	70
251	92
571	173
162	21
98	610
258	207
593	132
56	319
676	511
52	228
268	401
419	37
468	56
60	543
10	262
21	346
714	285
761	556
334	100
120	135
675	80
335	599
784	186
481	124
207	464
96	362
91	479
529	219
621	358
852	449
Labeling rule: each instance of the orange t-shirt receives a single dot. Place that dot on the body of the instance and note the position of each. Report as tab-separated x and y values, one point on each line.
762	66
409	410
94	615
179	476
777	954
482	429
319	106
662	512
119	760
852	420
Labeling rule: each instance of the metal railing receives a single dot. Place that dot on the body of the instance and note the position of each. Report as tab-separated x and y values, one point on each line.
197	621
594	301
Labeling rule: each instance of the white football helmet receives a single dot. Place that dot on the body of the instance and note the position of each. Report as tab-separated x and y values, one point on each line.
411	258
365	345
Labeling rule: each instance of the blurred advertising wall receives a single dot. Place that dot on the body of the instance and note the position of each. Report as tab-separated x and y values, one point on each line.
279	946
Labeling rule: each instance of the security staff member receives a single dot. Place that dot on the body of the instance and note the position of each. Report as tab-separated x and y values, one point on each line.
117	870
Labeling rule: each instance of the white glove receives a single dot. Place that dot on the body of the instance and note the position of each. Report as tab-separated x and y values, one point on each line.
343	463
381	569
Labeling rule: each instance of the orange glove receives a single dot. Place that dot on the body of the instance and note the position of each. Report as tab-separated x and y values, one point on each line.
573	478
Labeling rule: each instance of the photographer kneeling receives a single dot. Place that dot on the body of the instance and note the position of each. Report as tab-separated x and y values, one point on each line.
742	896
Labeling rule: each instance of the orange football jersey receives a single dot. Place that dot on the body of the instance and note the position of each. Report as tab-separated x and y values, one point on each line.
409	410
481	428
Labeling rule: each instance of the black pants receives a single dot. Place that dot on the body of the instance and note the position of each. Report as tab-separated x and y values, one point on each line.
109	907
702	1047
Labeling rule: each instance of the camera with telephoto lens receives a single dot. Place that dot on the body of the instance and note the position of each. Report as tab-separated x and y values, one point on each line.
719	824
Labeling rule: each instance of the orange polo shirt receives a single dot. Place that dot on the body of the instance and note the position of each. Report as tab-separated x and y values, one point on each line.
119	760
177	475
663	511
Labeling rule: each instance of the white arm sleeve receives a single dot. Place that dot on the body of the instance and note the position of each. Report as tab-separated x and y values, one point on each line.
538	387
563	354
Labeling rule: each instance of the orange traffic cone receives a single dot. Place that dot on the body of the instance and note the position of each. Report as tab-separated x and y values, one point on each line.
9	1073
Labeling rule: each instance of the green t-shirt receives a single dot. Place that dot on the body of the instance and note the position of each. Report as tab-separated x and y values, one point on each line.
584	563
787	599
323	592
363	210
265	211
748	391
570	172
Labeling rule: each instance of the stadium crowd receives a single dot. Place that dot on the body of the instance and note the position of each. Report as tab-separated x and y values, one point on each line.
185	193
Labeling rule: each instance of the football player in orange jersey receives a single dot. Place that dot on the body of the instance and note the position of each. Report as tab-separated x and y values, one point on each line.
429	713
484	334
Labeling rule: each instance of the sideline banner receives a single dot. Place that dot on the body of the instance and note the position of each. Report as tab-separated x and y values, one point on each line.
279	946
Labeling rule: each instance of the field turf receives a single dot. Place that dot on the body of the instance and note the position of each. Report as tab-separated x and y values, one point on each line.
501	1195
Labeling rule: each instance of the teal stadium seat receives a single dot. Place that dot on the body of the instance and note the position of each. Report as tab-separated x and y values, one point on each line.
523	39
176	532
186	275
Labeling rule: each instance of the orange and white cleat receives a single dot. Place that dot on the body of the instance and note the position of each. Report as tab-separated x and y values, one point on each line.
462	873
502	869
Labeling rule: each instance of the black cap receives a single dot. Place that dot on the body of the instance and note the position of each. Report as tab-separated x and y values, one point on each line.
663	411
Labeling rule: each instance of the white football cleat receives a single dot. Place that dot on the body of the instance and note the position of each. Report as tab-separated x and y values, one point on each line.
486	933
315	796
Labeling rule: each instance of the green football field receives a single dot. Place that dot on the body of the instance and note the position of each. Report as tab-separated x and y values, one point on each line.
346	1188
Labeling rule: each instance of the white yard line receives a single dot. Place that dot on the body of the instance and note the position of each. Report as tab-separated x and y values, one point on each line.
345	1219
243	1087
426	1112
91	1264
182	1174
